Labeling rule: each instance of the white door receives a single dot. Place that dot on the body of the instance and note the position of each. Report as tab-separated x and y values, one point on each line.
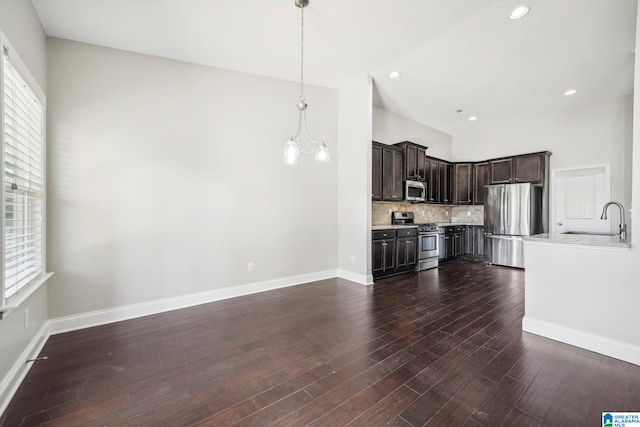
580	194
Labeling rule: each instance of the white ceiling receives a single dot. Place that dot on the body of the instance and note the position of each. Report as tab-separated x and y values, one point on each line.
453	54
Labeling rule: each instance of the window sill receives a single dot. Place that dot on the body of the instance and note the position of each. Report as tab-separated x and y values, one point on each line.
24	295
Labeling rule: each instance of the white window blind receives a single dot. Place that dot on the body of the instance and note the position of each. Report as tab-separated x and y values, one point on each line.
23	181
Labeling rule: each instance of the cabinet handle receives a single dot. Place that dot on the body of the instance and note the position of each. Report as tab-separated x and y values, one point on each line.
384	257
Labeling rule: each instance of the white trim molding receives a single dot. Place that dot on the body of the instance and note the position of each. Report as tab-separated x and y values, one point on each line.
20	368
117	314
362	279
599	344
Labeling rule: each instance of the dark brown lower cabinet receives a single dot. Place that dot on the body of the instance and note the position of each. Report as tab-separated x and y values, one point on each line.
406	251
458	240
394	251
478	240
383	252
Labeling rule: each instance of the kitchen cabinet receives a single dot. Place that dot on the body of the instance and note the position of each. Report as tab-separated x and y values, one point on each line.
474	240
451	241
406	252
463	183
481	175
383	252
530	168
376	172
501	171
460	183
387	164
394	251
432	180
523	168
415	161
442	246
478	241
468	239
444	182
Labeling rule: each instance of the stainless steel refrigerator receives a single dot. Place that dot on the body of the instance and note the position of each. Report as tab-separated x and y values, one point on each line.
510	212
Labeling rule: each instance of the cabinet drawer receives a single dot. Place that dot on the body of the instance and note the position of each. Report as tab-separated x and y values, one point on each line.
407	232
384	234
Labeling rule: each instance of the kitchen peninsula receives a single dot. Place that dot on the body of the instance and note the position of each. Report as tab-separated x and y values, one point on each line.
579	290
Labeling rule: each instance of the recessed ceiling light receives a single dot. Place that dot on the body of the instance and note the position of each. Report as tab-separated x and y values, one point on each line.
472	118
394	74
570	92
519	12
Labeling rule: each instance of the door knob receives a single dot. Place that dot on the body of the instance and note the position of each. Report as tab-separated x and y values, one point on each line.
560	224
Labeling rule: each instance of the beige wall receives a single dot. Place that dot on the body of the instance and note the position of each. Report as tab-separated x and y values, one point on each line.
585	136
354	178
389	128
167	179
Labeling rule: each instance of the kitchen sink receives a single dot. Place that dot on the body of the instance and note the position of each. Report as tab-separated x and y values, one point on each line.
591	233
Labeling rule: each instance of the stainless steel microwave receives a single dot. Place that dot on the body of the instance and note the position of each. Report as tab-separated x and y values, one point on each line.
414	191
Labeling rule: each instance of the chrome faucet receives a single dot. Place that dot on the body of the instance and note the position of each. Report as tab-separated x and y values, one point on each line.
623	226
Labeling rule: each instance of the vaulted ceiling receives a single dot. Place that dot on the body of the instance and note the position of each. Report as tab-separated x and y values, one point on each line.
452	54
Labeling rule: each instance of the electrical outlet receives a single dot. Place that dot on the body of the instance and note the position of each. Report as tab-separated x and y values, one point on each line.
26	318
446	212
250	267
468	213
352	258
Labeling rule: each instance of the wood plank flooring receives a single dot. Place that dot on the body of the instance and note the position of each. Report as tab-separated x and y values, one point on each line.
442	347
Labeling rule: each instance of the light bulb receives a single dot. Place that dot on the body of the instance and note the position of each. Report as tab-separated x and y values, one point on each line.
322	153
291	152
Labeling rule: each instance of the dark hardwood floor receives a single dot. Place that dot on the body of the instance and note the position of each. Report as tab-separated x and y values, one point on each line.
440	348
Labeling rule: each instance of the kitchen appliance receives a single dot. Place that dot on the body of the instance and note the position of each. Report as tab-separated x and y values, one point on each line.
427	239
414	191
428	242
510	212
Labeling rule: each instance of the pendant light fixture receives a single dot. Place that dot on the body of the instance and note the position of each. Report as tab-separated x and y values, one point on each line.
293	147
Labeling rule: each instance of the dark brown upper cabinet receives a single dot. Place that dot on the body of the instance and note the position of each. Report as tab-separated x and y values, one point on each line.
524	168
387	164
460	183
376	172
501	171
481	175
432	180
444	184
530	168
463	183
415	161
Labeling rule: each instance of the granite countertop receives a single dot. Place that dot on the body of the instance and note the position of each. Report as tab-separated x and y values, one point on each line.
393	226
581	239
440	224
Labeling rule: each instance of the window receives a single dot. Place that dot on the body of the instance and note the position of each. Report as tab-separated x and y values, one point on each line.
23	179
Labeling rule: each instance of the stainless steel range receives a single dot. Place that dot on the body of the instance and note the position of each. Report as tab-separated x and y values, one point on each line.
427	246
427	239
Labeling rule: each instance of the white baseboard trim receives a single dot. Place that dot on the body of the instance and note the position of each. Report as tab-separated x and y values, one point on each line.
102	317
18	371
603	345
362	279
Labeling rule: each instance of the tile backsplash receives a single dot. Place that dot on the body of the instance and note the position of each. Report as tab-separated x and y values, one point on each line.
424	213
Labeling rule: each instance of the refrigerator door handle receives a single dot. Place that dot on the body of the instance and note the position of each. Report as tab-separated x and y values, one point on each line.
493	236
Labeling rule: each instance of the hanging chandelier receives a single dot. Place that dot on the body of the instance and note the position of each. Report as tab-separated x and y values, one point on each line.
293	147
